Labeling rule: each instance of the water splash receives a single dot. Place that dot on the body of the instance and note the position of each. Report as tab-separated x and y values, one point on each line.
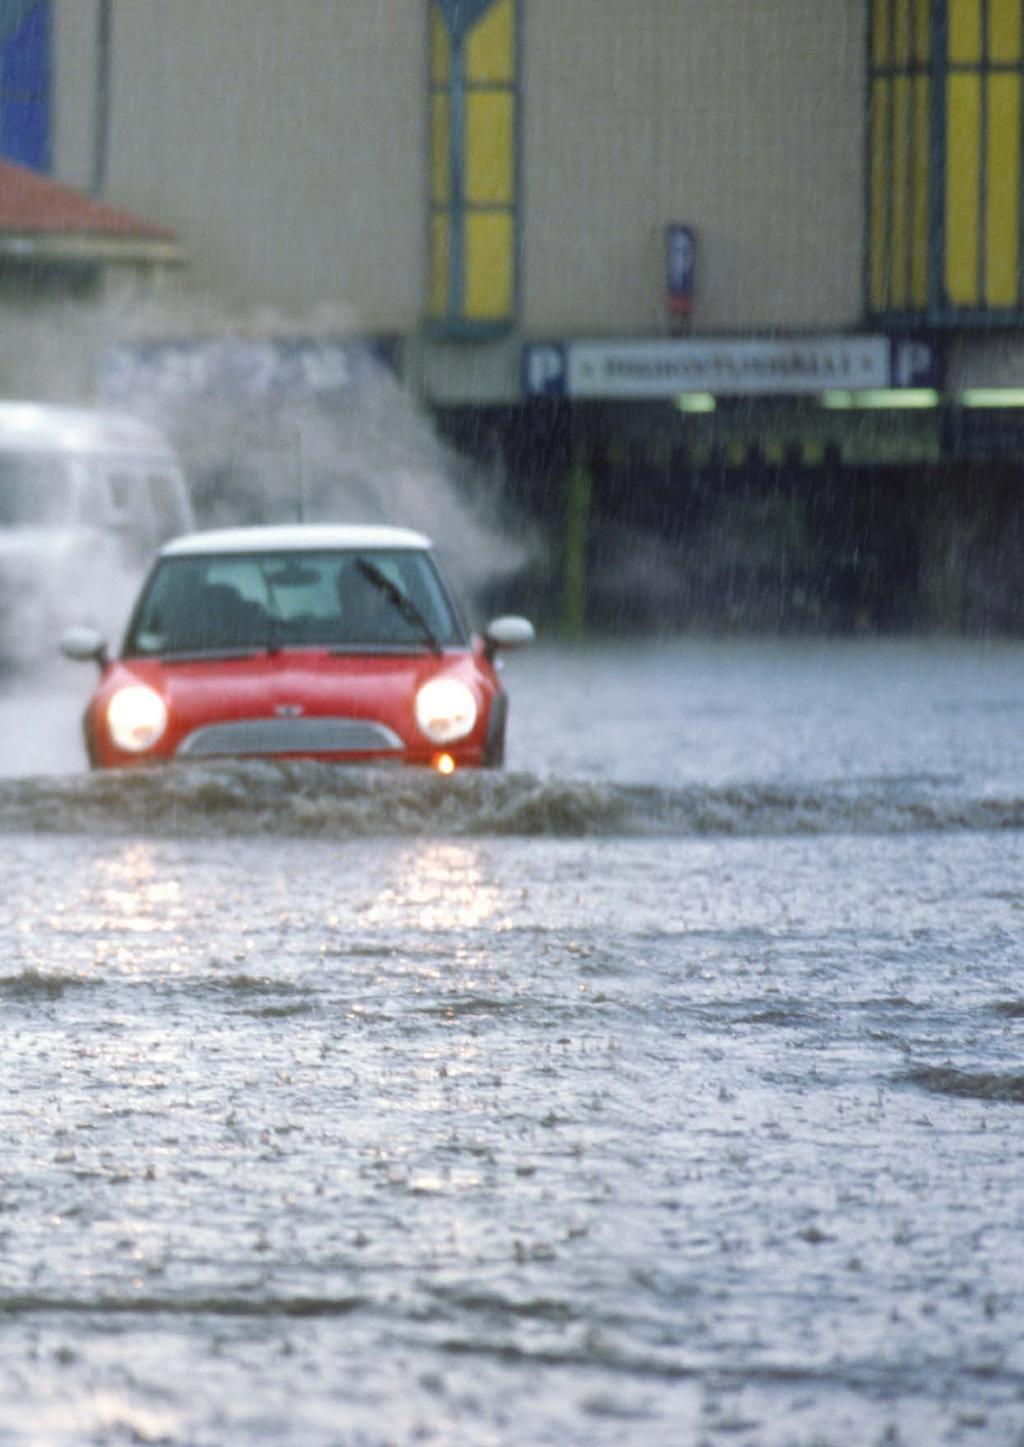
280	417
308	799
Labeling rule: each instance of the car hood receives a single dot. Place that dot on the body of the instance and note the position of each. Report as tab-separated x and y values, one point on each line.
306	683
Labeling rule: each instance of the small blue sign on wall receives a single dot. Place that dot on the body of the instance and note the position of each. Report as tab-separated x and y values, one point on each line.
545	367
680	265
916	362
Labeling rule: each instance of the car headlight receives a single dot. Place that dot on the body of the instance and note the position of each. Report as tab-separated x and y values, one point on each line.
445	710
136	718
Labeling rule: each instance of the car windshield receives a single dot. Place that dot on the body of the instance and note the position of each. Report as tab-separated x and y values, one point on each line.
360	601
34	492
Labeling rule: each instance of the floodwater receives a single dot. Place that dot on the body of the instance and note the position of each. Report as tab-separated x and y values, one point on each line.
666	1089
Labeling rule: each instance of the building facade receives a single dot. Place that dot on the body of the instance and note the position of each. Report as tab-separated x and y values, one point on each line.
674	261
460	171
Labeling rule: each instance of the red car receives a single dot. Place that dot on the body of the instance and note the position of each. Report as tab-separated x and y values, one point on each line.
336	643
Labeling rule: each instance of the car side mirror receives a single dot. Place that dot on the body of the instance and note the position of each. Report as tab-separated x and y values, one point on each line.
84	645
510	631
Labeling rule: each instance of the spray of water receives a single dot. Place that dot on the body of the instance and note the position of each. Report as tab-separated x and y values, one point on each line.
351	448
268	439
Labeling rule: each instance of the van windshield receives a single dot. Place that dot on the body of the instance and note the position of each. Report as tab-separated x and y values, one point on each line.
35	492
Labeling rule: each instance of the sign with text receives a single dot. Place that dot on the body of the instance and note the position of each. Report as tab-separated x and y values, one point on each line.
916	362
544	369
725	367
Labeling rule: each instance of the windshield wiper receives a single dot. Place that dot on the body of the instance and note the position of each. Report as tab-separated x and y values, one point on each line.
273	613
401	601
200	655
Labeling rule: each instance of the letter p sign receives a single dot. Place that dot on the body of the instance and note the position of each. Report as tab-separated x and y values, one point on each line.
915	363
544	370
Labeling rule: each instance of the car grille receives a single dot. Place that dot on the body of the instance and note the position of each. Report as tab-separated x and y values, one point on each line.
290	736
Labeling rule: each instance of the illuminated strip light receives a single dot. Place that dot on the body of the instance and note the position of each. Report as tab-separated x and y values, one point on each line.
992	397
879	398
695	402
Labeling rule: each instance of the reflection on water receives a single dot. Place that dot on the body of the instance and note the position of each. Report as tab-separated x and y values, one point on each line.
437	886
125	894
133	895
387	1138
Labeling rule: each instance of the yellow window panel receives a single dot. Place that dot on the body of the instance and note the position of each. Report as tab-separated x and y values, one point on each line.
1004	30
490	147
901	207
919	220
901	31
490	46
440	265
878	268
489	279
965	31
440	48
923	31
440	149
1002	190
963	184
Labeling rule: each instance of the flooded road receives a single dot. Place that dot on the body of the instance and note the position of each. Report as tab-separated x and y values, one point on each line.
664	1089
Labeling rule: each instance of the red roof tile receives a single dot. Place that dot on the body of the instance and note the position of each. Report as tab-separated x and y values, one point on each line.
31	202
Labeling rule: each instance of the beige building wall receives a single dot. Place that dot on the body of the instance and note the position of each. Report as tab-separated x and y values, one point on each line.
743	118
283	141
286	142
74	91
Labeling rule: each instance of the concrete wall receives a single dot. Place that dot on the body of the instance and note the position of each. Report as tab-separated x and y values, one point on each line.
287	145
285	142
744	118
74	91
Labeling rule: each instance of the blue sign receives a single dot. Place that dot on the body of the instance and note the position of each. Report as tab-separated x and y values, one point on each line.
680	259
916	362
545	369
25	83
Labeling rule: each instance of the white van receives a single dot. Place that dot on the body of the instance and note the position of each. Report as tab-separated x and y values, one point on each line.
86	498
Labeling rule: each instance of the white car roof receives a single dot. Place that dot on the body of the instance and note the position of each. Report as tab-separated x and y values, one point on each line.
39	427
295	537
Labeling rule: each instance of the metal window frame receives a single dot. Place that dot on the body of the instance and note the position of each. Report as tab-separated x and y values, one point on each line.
455	325
939	312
